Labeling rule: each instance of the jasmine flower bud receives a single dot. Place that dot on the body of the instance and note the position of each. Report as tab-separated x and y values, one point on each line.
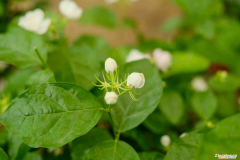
183	135
110	65
165	140
163	59
199	84
70	9
34	21
135	55
136	80
111	97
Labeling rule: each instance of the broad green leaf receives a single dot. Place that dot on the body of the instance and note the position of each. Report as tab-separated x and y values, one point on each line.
206	29
223	139
98	43
119	54
75	65
99	16
187	63
17	48
51	115
151	156
172	106
82	145
17	149
204	104
112	150
32	156
172	24
127	113
3	155
40	77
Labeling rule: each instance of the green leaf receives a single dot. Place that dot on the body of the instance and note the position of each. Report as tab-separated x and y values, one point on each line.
32	156
17	48
3	136
187	63
17	149
75	65
82	145
223	139
98	43
3	155
151	156
127	113
204	104
51	115
40	77
172	106
112	150
172	24
99	16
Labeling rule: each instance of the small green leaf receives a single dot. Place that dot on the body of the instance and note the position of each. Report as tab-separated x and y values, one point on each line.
127	113
17	48
204	104
99	16
112	150
3	155
82	145
51	115
17	149
32	156
75	65
172	106
151	156
187	63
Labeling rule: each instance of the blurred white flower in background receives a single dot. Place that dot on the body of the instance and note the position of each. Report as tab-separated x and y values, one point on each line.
135	55
111	97
136	80
165	140
111	1
199	84
182	135
110	65
34	21
163	59
70	9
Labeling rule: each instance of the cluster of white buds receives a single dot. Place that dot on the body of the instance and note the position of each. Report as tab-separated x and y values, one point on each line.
70	9
134	80
162	59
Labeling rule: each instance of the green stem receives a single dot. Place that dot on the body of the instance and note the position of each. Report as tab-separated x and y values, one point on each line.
111	120
40	57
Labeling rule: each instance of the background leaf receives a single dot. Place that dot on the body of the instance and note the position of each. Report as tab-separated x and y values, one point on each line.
3	155
112	150
172	106
150	156
51	115
32	156
82	145
204	104
17	48
99	16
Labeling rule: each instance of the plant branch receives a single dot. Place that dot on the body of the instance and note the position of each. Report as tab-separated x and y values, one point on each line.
40	57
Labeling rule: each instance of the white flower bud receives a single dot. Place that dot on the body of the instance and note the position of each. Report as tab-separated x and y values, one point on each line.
110	65
199	84
111	1
183	135
111	97
70	9
163	59
165	140
136	80
34	21
135	55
